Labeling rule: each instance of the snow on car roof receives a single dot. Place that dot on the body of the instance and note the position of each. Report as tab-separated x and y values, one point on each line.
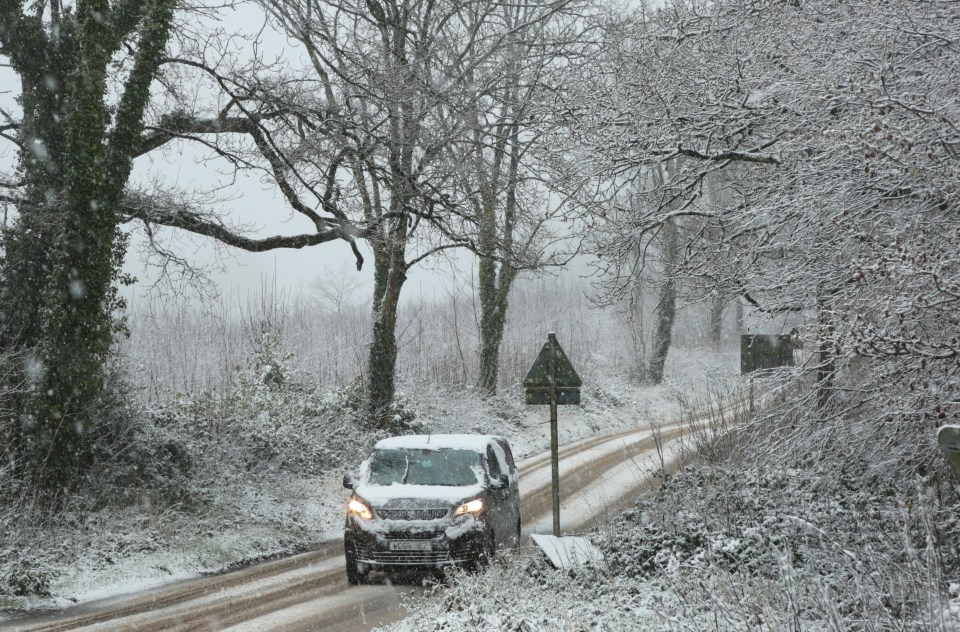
475	442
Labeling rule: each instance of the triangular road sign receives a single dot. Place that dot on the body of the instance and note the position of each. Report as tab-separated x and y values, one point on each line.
539	374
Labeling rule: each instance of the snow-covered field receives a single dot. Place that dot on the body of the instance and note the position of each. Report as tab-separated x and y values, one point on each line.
267	481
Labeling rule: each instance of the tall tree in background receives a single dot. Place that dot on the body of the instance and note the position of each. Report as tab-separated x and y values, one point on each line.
646	259
379	66
411	76
665	311
495	204
508	137
717	301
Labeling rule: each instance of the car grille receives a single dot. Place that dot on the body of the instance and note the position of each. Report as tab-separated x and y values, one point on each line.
459	551
412	514
466	550
412	558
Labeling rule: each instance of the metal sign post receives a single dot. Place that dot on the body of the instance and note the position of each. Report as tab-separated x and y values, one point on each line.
552	380
554	438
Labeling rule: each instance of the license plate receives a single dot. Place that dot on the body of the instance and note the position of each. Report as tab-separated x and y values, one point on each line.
409	545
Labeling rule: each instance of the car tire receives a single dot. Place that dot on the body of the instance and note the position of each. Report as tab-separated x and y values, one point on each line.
488	551
356	572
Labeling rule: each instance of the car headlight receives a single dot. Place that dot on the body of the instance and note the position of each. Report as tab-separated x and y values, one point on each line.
471	507
356	507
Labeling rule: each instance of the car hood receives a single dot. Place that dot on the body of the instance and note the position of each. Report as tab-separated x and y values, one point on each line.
411	496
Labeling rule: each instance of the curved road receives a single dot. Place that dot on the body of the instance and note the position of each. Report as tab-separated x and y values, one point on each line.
599	476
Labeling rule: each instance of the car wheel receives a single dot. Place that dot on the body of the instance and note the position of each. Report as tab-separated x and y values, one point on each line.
356	571
488	552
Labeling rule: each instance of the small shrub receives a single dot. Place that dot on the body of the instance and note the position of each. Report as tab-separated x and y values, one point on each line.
24	578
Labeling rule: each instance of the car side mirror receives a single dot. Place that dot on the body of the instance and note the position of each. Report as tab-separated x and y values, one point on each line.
349	482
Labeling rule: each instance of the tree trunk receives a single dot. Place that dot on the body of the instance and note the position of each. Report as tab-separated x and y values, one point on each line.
382	361
390	240
29	245
826	362
493	318
390	274
665	312
714	197
715	326
491	322
494	291
61	257
638	341
492	313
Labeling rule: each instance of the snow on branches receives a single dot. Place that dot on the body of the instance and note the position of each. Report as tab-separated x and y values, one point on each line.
814	152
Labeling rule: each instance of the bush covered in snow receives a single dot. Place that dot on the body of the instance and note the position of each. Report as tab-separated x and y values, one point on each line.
795	527
205	481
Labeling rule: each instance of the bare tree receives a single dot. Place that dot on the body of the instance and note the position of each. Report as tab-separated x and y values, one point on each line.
837	140
510	127
410	76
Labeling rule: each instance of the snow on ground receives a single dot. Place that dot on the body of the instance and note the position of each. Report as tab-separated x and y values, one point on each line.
267	482
589	505
786	526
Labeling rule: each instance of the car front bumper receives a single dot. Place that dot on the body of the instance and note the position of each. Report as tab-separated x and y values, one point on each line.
377	549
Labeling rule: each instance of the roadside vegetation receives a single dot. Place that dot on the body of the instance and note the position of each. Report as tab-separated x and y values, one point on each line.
229	437
775	523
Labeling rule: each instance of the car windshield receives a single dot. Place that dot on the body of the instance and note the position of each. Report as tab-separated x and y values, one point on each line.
446	466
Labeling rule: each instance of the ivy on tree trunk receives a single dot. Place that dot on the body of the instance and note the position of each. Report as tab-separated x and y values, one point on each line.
496	278
389	277
61	256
